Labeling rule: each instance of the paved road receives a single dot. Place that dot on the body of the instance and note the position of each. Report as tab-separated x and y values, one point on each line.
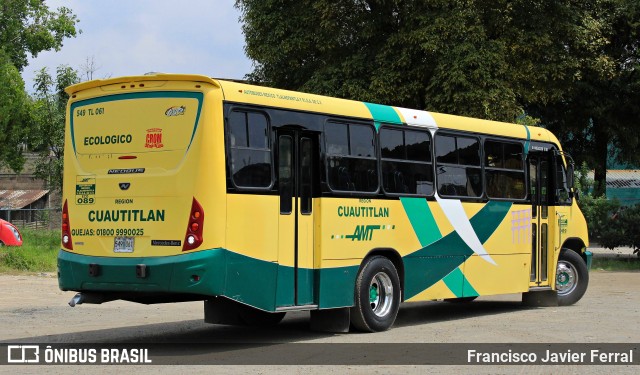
33	310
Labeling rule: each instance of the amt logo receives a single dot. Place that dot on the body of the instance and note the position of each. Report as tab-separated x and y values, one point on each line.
363	232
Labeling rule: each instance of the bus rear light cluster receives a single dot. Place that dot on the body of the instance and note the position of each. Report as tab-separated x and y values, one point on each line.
193	237
66	228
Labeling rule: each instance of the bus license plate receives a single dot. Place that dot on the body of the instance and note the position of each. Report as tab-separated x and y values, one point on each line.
123	245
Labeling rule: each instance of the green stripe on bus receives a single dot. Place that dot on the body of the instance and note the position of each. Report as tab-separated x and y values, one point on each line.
488	219
457	282
427	266
467	289
422	220
383	113
527	143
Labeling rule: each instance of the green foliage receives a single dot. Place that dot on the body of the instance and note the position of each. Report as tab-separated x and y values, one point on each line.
628	220
597	210
29	26
26	27
14	104
599	213
37	254
601	108
49	110
469	57
525	119
609	224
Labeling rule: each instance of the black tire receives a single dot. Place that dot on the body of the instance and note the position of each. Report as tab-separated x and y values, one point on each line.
461	299
377	296
572	277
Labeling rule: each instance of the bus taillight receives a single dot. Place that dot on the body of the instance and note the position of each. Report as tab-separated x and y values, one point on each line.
66	228
193	238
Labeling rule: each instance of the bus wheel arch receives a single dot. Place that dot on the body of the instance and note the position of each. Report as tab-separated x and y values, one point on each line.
572	277
394	257
575	244
377	295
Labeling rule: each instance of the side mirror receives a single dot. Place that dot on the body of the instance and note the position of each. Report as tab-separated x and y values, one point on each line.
570	175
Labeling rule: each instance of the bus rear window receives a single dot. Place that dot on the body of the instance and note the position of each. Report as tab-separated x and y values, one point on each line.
152	130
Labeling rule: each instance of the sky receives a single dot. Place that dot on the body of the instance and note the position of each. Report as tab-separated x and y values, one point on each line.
131	37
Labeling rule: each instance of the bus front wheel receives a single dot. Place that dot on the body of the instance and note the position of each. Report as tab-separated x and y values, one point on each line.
377	296
572	277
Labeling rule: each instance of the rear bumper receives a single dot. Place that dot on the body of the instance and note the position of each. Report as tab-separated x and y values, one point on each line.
200	272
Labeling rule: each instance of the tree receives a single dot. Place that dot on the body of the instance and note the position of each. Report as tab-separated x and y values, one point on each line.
89	68
29	26
467	57
600	111
14	104
49	112
26	26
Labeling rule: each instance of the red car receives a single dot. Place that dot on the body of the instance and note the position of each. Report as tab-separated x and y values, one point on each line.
9	234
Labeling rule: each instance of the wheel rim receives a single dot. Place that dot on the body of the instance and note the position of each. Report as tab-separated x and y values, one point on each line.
381	294
566	278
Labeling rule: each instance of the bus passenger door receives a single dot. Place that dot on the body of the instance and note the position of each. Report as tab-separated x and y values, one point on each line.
297	160
541	212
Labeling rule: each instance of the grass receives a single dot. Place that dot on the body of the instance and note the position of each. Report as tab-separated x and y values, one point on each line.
38	252
616	263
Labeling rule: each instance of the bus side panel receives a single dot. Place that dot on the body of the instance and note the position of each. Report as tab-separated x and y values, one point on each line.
511	275
336	283
347	231
438	260
510	247
252	241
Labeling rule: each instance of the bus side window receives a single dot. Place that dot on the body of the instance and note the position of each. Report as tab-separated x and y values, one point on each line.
504	170
458	166
351	159
406	161
250	152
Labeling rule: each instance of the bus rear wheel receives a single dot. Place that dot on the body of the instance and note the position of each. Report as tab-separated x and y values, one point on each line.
377	296
572	277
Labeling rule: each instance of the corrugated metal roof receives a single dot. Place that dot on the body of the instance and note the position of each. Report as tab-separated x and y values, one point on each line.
16	199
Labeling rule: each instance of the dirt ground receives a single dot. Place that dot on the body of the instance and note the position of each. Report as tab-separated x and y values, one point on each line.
34	310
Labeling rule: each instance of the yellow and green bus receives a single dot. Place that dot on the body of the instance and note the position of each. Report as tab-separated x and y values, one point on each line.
260	201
